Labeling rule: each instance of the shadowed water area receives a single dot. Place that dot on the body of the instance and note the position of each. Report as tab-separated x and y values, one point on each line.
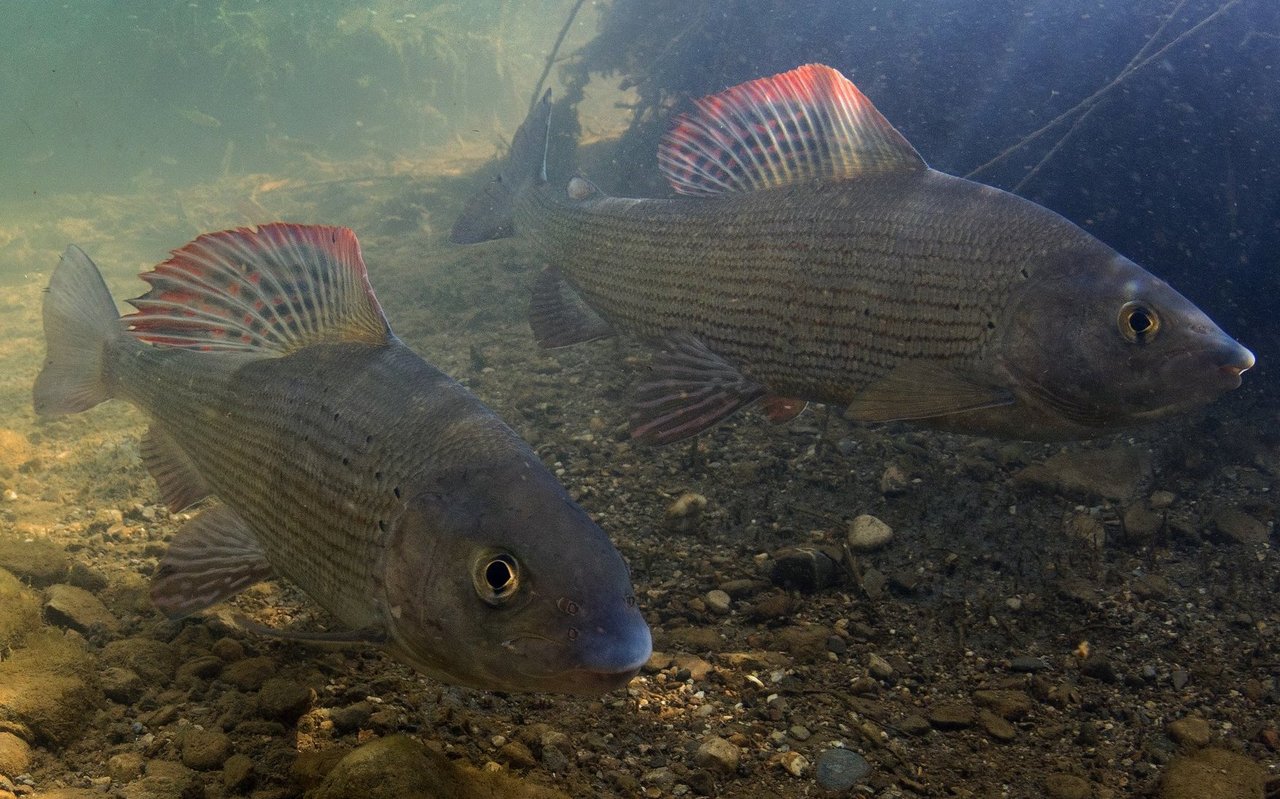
837	608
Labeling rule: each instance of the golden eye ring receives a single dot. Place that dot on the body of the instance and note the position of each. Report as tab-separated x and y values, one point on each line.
496	578
1138	322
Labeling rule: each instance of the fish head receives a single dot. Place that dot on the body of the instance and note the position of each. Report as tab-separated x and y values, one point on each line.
496	579
1097	342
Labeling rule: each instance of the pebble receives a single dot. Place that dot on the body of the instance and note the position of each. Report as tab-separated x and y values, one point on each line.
1067	786
1190	731
237	773
893	481
697	667
793	763
249	674
516	755
1239	527
718	602
205	667
77	609
121	685
352	717
1216	773
951	715
164	779
914	724
1007	704
153	661
283	700
805	568
1141	524
880	668
684	512
15	755
205	750
398	767
996	727
1086	529
1111	473
125	767
1027	664
1161	500
867	534
840	769
799	732
718	754
769	607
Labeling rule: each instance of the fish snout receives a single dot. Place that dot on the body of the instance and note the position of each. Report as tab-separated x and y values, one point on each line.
1233	361
610	650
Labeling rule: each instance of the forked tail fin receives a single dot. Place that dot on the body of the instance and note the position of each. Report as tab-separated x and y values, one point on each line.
487	215
80	319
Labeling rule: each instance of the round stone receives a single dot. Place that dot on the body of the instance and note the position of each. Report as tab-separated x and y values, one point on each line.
841	769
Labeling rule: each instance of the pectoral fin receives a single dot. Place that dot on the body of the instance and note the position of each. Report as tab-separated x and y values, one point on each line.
335	638
783	409
558	317
212	558
922	390
690	389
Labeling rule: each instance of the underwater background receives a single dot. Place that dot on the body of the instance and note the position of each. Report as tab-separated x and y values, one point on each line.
1090	619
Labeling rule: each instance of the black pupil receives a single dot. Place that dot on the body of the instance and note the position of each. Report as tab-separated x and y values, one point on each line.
1139	321
497	574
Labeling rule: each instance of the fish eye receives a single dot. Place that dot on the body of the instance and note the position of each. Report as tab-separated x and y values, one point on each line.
497	578
1138	322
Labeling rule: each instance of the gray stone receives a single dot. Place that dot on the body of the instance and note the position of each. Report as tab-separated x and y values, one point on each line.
840	769
867	534
719	755
718	602
1028	664
805	568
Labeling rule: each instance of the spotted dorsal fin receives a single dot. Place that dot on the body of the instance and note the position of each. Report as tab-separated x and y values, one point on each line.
271	289
811	123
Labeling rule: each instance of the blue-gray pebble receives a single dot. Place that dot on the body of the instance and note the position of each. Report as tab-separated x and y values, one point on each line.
841	769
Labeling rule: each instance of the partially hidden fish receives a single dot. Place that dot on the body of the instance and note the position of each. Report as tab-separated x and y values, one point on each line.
342	461
819	259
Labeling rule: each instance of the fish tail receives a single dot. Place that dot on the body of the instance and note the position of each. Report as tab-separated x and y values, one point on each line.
80	321
488	214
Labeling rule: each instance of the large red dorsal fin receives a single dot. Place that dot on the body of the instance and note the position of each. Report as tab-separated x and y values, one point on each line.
272	289
811	123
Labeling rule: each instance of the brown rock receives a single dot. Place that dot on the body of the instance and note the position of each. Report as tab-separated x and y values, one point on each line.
249	674
237	774
47	685
205	750
1007	704
1067	786
1215	773
284	700
951	715
41	562
1141	524
125	767
15	755
1239	527
1112	473
718	755
1191	732
695	639
164	779
19	611
996	727
153	661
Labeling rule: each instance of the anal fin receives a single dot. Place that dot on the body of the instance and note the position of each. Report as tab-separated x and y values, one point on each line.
690	389
558	317
923	390
213	557
180	483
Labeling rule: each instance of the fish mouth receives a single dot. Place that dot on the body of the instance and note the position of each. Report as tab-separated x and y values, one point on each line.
591	665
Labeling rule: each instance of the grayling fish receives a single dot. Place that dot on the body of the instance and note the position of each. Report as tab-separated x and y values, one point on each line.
342	461
824	261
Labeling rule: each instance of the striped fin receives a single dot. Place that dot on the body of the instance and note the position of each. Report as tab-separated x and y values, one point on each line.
212	558
924	390
558	317
808	124
690	389
181	485
274	289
